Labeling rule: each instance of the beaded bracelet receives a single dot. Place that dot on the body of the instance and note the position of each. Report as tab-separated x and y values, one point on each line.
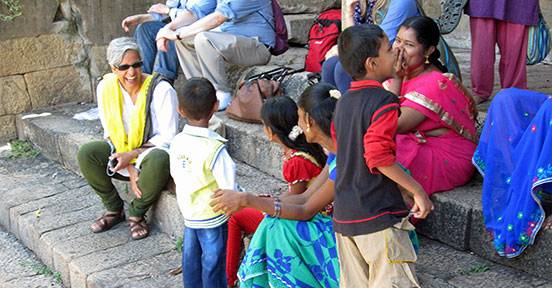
277	207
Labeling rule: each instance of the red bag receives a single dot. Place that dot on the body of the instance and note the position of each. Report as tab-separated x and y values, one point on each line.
322	37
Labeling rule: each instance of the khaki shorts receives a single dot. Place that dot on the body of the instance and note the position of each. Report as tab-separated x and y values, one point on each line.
378	260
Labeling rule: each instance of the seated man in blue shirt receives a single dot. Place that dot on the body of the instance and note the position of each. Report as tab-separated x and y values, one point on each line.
164	62
237	32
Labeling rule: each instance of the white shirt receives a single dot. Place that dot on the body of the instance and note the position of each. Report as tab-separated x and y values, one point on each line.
224	168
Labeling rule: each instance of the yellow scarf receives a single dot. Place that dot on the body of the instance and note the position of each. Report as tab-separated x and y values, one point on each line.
112	104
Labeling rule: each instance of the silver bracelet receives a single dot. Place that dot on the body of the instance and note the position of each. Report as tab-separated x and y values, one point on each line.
277	207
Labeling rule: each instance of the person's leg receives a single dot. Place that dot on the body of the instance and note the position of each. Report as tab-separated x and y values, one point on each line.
512	41
154	175
390	255
145	37
187	57
353	268
166	63
328	70
247	220
342	79
213	245
483	37
216	49
92	158
191	258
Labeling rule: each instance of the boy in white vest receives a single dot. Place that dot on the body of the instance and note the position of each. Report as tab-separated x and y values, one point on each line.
200	164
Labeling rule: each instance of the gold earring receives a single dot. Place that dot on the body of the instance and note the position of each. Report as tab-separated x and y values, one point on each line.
427	60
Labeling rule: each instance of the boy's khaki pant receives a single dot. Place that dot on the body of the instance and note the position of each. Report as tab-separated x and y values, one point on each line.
378	260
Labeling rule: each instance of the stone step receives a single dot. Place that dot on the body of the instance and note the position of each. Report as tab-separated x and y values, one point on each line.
19	267
49	210
440	266
58	136
82	259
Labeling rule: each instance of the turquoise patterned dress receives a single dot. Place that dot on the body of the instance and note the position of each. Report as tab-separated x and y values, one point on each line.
290	253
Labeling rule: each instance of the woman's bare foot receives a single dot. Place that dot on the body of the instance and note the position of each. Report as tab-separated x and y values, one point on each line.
478	100
547	224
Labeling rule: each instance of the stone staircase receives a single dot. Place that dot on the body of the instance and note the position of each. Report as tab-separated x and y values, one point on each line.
49	207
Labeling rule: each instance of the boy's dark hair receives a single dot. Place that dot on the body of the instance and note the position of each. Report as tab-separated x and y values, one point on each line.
316	101
356	44
427	34
197	98
280	115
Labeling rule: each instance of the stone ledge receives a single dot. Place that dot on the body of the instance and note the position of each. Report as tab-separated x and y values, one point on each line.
59	136
298	27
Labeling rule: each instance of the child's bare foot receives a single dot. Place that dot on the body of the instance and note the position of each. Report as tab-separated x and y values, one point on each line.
547	224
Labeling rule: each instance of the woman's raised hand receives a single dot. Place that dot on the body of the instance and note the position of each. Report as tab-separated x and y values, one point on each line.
400	64
228	201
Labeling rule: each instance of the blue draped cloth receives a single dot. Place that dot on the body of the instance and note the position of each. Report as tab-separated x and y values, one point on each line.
515	157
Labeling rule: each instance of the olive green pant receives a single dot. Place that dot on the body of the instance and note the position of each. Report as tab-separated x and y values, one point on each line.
154	175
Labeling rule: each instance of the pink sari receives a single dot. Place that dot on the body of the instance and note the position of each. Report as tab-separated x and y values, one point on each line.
444	162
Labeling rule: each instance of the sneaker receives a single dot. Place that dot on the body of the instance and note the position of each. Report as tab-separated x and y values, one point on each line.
451	12
224	99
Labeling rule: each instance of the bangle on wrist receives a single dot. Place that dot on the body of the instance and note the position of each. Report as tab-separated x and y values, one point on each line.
277	207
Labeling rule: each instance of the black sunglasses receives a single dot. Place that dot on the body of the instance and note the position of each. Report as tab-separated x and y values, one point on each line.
126	66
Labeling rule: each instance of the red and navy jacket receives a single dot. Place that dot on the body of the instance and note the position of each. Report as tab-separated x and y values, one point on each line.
365	124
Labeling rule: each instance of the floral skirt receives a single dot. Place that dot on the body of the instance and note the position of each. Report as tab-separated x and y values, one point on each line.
289	253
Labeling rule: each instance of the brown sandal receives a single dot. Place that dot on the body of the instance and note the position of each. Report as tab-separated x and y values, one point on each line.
107	221
138	228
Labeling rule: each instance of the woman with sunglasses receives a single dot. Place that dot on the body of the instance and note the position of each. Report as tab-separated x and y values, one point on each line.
139	119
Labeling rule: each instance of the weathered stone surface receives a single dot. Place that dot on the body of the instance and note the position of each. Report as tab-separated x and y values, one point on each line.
7	127
295	56
307	6
298	28
18	265
56	86
450	221
81	268
248	144
36	19
39	53
150	273
13	95
100	21
441	266
530	261
98	65
65	251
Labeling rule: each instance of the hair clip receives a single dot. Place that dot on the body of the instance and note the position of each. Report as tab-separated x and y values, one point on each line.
295	132
334	93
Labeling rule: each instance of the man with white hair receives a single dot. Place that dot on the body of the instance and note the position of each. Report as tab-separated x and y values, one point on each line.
164	62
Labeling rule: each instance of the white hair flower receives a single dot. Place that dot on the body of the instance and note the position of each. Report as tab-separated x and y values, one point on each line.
295	132
334	93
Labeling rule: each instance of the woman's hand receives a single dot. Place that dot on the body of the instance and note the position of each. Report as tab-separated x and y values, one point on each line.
134	176
159	8
401	65
123	160
228	201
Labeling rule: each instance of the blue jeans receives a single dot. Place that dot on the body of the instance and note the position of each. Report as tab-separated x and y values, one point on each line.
204	257
165	63
333	73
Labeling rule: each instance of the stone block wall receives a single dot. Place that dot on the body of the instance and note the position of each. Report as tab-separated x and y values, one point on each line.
54	52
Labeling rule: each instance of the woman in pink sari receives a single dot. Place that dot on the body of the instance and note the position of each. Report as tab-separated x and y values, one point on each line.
436	130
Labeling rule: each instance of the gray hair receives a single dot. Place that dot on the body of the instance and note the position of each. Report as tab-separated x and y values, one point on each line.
117	48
